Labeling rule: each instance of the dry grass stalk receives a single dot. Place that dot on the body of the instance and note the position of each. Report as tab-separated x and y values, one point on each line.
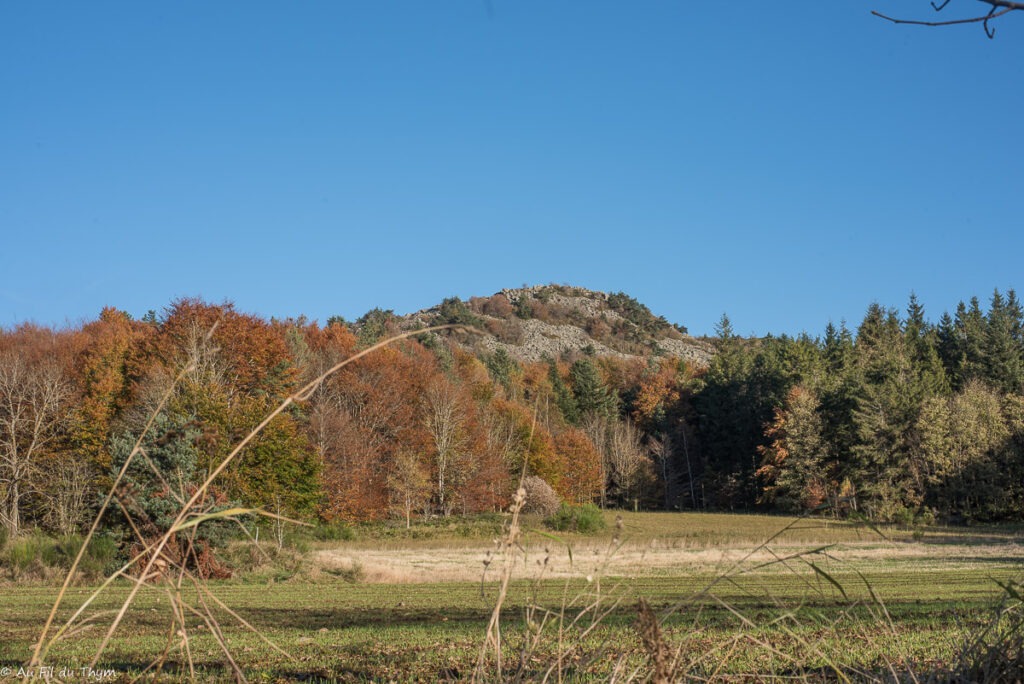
153	556
658	651
39	653
508	544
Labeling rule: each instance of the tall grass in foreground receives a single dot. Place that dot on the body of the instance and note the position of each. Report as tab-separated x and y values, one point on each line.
154	564
566	642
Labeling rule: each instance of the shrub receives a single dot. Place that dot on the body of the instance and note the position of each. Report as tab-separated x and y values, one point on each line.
352	573
100	559
540	497
904	517
334	532
39	555
585	519
258	562
24	552
498	306
925	517
453	311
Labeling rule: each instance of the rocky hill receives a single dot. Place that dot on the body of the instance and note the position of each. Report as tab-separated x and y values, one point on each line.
532	323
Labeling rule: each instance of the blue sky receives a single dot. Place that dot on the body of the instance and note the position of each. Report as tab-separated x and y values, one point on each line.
785	162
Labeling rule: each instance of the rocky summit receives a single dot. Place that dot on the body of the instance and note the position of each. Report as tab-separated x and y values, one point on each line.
550	321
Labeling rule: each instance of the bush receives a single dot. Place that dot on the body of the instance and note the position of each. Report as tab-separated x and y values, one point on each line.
334	532
904	517
25	552
585	519
540	497
101	558
352	573
926	518
259	562
453	311
46	557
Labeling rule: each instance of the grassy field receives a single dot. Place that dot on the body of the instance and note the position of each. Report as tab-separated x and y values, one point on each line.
823	596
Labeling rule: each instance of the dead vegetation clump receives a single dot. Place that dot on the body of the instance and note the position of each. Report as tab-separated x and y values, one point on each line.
541	498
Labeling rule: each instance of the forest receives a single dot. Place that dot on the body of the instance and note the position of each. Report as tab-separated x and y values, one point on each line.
900	420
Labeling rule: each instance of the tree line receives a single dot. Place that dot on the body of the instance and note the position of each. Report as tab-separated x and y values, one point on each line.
900	419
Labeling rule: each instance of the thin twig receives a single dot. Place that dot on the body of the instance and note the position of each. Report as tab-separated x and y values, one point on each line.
971	20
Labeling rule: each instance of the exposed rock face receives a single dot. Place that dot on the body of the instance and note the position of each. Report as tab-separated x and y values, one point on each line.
540	340
548	321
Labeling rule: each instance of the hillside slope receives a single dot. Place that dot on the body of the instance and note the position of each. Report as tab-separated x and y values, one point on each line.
532	323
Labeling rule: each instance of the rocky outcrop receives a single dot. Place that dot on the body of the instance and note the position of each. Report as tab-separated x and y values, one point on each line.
542	340
551	321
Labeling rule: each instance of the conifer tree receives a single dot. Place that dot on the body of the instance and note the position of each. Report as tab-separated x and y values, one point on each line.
796	468
156	484
564	399
923	346
885	414
734	406
502	367
593	397
1001	353
969	326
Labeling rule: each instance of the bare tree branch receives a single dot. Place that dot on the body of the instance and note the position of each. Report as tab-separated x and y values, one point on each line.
998	9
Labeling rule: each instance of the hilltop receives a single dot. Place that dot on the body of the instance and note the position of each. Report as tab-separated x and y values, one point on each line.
532	323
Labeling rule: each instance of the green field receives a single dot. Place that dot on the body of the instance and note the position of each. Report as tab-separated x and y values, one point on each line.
823	596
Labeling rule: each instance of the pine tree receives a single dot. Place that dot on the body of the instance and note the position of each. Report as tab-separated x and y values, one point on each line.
948	347
744	384
502	367
1001	353
796	465
564	399
156	484
593	397
888	401
923	346
970	325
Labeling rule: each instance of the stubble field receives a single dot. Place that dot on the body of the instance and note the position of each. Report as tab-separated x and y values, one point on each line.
735	600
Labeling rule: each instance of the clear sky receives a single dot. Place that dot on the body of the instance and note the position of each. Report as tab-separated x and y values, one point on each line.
785	162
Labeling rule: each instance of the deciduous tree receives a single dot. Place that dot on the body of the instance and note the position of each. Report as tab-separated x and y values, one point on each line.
34	394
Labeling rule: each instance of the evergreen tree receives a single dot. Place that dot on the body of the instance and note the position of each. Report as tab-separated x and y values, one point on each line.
564	399
888	402
796	468
838	397
502	367
838	349
922	342
593	397
1001	352
158	481
915	323
948	347
744	384
374	325
969	324
1016	316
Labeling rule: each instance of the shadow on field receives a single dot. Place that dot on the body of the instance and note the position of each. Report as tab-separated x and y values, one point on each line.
337	618
967	537
992	560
